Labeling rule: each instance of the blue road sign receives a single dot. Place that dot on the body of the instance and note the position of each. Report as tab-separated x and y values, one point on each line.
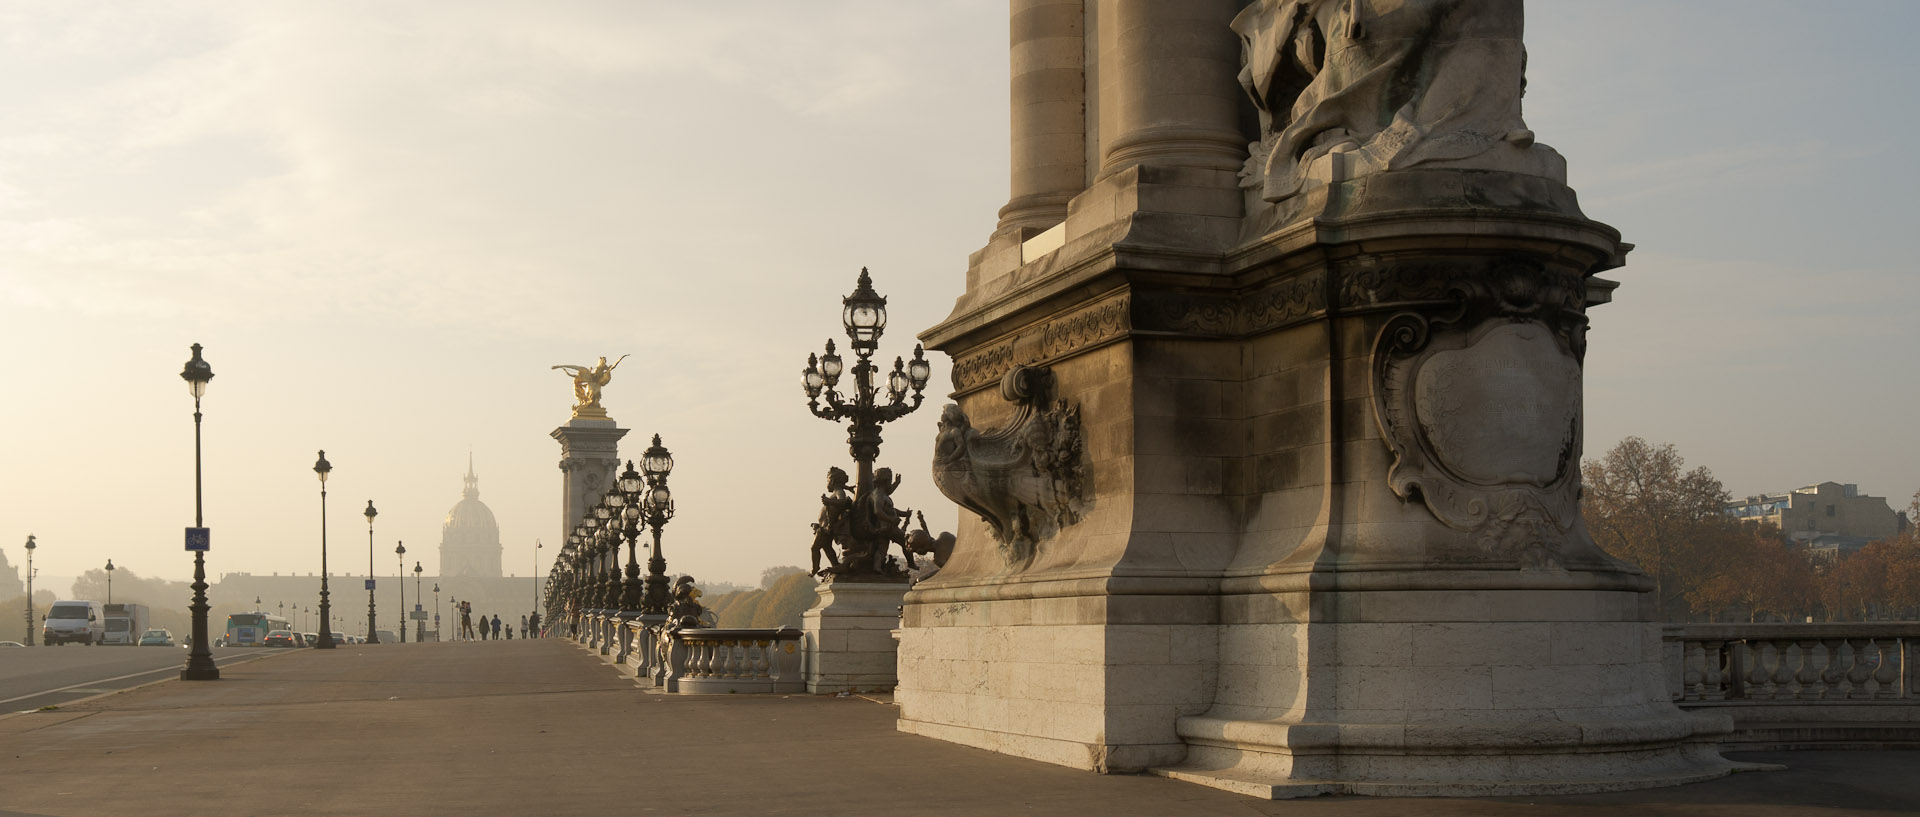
369	584
199	539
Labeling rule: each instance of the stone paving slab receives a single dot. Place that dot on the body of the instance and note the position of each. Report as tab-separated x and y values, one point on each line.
545	728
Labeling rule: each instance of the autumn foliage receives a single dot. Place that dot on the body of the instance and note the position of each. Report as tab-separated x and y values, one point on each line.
1644	506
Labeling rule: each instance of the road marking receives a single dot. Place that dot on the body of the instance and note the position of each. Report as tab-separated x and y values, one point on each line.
78	687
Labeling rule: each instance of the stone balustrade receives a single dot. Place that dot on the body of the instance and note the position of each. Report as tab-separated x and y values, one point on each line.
1791	686
722	661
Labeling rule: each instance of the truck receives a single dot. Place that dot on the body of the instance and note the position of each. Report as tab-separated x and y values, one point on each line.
125	623
68	621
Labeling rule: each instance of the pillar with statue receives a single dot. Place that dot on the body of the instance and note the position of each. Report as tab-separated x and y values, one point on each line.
1268	421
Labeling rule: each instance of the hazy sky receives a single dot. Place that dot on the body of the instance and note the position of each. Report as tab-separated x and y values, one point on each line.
387	220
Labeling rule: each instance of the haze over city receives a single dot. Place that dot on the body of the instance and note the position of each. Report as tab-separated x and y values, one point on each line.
387	222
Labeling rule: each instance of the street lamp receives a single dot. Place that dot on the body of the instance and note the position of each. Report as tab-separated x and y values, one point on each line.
864	316
109	581
400	551
628	487
373	637
199	658
657	508
325	642
30	546
419	622
437	635
536	574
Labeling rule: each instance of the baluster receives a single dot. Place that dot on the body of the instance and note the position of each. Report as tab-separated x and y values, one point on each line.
713	654
1782	671
1832	673
1692	677
762	660
1712	681
1758	675
730	665
1857	670
1887	652
1809	675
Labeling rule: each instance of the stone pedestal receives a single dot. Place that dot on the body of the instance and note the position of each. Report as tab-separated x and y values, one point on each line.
849	637
1324	420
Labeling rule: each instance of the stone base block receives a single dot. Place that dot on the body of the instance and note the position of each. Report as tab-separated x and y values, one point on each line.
849	637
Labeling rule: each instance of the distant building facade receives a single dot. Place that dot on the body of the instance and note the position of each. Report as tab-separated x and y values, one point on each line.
1829	519
470	538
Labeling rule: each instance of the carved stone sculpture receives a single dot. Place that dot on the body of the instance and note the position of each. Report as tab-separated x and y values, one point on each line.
1025	479
1481	408
1347	88
587	383
939	548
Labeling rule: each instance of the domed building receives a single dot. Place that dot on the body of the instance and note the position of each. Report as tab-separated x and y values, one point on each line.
470	539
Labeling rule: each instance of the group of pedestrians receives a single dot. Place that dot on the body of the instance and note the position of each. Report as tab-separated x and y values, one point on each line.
493	628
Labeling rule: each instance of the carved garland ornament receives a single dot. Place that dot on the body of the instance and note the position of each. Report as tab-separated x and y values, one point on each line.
1055	339
1482	410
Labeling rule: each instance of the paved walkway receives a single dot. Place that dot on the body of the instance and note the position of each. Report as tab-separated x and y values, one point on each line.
544	728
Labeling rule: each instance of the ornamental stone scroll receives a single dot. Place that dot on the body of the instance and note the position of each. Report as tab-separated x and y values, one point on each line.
1026	479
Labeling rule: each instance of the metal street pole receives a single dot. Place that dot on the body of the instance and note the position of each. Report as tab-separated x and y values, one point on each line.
109	581
400	555
199	658
326	610
30	546
373	636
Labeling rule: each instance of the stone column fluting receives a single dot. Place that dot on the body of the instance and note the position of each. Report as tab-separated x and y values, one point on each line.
1168	93
1048	111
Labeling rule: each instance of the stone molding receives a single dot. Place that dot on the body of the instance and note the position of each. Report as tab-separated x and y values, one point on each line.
1054	340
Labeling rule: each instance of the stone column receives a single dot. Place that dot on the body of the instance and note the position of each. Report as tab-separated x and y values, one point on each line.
1048	112
589	459
1168	93
849	637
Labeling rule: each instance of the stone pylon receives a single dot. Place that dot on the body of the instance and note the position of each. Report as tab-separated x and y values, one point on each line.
589	461
1269	421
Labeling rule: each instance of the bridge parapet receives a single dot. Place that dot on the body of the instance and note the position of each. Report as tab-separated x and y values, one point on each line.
1802	686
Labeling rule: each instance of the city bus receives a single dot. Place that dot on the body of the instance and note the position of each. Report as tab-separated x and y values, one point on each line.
250	629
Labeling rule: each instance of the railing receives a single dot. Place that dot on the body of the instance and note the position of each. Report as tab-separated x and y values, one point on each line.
1796	663
1802	686
721	661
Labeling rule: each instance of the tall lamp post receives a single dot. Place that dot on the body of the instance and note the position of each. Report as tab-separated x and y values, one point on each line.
30	546
655	465
109	581
864	316
325	642
536	574
400	551
629	485
437	635
199	658
419	622
373	636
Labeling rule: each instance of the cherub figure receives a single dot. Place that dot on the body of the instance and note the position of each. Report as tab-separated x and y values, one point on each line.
832	525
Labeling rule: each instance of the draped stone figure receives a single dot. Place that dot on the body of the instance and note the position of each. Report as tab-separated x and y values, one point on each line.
1385	84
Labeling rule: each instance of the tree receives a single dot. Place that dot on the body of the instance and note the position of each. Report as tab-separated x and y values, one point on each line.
1762	574
773	574
1640	506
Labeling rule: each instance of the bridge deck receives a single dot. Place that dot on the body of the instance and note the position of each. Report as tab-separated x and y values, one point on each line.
542	727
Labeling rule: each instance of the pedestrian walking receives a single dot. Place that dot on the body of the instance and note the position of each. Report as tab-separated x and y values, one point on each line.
496	625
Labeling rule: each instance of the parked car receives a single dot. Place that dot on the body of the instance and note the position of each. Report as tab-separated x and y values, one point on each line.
156	637
280	638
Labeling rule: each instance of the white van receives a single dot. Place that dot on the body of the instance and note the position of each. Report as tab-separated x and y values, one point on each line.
70	621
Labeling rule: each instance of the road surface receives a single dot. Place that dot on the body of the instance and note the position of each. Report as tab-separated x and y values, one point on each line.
33	677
